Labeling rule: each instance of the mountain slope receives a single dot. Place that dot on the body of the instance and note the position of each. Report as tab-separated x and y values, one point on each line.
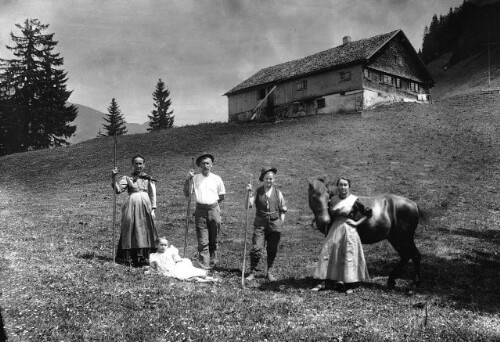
89	121
465	77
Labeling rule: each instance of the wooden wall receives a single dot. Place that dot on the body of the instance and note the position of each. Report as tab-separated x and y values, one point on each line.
318	85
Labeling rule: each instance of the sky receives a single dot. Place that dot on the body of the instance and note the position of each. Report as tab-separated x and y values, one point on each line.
200	49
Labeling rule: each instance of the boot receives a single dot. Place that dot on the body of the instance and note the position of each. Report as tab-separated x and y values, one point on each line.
213	259
270	276
251	276
270	269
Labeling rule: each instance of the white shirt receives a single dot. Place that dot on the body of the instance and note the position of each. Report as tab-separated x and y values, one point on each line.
207	189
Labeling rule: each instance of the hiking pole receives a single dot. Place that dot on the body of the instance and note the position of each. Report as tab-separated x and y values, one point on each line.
191	189
114	198
245	239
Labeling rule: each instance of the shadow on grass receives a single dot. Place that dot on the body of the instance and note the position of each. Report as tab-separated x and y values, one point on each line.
3	334
91	255
467	281
492	236
308	283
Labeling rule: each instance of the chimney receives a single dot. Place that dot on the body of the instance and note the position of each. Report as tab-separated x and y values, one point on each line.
346	39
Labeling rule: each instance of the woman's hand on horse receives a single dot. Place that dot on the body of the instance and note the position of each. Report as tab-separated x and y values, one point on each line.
352	223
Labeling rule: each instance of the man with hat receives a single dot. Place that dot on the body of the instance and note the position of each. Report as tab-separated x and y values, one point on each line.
269	219
209	191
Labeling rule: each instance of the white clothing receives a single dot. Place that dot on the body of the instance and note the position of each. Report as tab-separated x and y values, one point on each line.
341	256
207	189
170	263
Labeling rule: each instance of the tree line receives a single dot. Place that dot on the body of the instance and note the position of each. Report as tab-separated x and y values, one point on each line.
34	112
464	31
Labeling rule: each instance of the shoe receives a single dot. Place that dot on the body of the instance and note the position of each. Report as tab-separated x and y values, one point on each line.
319	287
250	277
213	259
271	277
202	266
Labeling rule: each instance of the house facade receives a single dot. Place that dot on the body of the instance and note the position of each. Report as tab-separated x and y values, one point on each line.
348	78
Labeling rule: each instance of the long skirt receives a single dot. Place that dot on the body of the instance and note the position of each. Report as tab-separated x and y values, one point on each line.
342	257
138	231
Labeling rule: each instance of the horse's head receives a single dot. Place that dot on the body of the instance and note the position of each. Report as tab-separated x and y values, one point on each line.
319	197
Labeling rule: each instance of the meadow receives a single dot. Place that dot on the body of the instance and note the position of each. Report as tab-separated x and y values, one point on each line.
59	283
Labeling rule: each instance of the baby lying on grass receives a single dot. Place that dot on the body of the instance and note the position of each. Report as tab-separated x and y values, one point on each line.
168	262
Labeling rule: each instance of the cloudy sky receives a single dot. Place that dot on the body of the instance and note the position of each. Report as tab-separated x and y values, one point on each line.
200	49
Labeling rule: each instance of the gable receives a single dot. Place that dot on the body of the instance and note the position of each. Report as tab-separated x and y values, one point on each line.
399	58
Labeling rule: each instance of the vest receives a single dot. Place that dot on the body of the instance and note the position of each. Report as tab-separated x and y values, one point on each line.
261	204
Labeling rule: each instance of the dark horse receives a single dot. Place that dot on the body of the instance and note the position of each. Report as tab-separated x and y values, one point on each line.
395	218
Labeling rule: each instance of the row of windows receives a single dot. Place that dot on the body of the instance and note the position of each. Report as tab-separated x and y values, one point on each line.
346	76
390	80
302	84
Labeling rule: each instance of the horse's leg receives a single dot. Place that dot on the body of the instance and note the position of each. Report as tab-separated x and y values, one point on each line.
406	250
416	256
404	255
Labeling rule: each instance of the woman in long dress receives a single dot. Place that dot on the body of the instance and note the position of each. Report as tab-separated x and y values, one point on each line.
168	262
138	231
342	259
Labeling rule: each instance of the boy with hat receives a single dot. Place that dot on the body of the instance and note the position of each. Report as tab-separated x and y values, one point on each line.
269	219
209	191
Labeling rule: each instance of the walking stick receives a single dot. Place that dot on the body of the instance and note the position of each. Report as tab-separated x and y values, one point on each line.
114	199
245	242
191	188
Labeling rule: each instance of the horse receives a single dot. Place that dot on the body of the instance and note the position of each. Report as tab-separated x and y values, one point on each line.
394	218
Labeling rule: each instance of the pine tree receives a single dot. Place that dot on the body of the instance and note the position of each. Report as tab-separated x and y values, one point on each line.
115	120
33	110
161	118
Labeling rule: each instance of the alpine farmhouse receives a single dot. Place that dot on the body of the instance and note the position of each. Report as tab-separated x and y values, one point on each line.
348	78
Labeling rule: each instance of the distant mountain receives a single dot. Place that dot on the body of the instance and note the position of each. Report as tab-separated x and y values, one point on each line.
89	121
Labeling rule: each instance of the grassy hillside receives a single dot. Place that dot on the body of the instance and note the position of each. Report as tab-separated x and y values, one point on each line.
467	76
55	221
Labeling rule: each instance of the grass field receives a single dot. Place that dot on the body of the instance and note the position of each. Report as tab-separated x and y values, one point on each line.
58	282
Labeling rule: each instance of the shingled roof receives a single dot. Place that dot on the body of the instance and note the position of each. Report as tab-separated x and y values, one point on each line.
356	51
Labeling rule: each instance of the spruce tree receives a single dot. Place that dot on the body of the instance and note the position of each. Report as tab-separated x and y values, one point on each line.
161	118
34	113
115	121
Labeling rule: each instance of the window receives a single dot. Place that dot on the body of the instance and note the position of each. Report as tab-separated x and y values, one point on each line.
301	85
414	87
261	94
320	103
366	72
345	76
398	82
386	79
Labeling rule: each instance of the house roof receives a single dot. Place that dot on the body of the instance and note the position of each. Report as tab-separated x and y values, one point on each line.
352	52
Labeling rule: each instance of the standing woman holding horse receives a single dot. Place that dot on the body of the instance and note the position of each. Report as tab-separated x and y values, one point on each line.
342	259
138	231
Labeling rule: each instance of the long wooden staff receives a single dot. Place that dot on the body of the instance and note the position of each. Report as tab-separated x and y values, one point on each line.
114	199
245	239
191	189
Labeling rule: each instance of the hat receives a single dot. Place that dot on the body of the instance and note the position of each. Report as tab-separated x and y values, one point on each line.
264	171
203	156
